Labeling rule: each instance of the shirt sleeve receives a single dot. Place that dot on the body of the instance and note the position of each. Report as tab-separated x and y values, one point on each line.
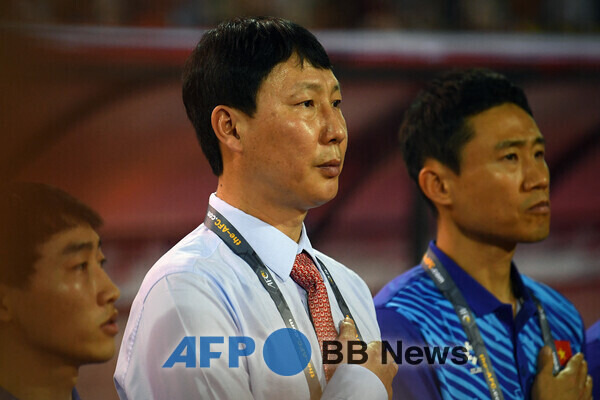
181	306
411	382
351	382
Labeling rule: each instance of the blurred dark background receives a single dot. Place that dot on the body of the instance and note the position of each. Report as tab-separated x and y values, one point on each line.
90	102
476	15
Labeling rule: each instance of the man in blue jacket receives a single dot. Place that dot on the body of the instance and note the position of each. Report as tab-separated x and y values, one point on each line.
470	143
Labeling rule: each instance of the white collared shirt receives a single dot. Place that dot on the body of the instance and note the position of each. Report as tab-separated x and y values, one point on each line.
200	288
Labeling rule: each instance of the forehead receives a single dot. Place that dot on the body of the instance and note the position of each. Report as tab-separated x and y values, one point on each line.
69	241
500	123
292	75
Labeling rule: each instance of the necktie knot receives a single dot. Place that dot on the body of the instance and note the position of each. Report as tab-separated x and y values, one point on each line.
305	273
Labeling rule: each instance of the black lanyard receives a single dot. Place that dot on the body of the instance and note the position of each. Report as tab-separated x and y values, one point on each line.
444	282
218	224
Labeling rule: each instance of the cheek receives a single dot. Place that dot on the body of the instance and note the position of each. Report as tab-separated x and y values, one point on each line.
42	309
293	140
297	131
502	200
70	299
482	193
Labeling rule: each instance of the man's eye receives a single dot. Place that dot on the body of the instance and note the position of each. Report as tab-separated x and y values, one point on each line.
511	157
539	154
82	266
337	103
307	103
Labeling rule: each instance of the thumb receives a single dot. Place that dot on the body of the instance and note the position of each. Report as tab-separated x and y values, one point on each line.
347	330
544	361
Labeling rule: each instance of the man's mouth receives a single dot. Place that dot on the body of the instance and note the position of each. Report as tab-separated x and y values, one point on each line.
110	326
331	168
541	207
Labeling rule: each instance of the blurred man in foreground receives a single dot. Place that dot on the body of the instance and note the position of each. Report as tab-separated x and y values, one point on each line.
56	301
208	319
470	143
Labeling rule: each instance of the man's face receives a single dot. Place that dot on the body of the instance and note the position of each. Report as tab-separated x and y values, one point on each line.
67	311
295	143
502	192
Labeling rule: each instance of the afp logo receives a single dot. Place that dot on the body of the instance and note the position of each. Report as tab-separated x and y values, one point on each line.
285	351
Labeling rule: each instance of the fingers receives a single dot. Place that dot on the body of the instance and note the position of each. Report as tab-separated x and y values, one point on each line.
573	367
572	382
375	349
582	375
385	372
373	357
544	361
587	393
347	330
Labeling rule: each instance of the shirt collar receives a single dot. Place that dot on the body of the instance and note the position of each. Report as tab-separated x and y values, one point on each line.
479	298
274	248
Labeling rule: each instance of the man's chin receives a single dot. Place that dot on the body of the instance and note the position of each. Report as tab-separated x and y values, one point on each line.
100	354
536	237
323	200
322	197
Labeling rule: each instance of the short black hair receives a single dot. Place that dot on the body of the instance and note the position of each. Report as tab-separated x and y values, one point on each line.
435	125
31	213
229	64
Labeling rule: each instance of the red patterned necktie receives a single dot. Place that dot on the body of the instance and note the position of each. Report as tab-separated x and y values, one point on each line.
306	274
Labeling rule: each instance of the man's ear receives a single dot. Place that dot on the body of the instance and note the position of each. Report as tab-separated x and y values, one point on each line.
225	123
434	182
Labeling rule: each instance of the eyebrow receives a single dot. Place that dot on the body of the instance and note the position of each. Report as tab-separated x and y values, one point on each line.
76	247
517	143
318	86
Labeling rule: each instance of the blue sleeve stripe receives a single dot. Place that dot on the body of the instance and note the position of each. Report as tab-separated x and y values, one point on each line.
467	386
494	332
568	315
499	348
531	340
422	319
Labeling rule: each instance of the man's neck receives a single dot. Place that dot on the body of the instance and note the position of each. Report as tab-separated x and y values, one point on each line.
487	263
286	219
26	376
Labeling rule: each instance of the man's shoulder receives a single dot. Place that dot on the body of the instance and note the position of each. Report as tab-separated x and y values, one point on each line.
549	297
342	275
564	318
406	304
406	288
335	267
198	255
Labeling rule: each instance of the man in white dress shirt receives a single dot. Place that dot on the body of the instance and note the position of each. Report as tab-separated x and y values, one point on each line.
207	320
